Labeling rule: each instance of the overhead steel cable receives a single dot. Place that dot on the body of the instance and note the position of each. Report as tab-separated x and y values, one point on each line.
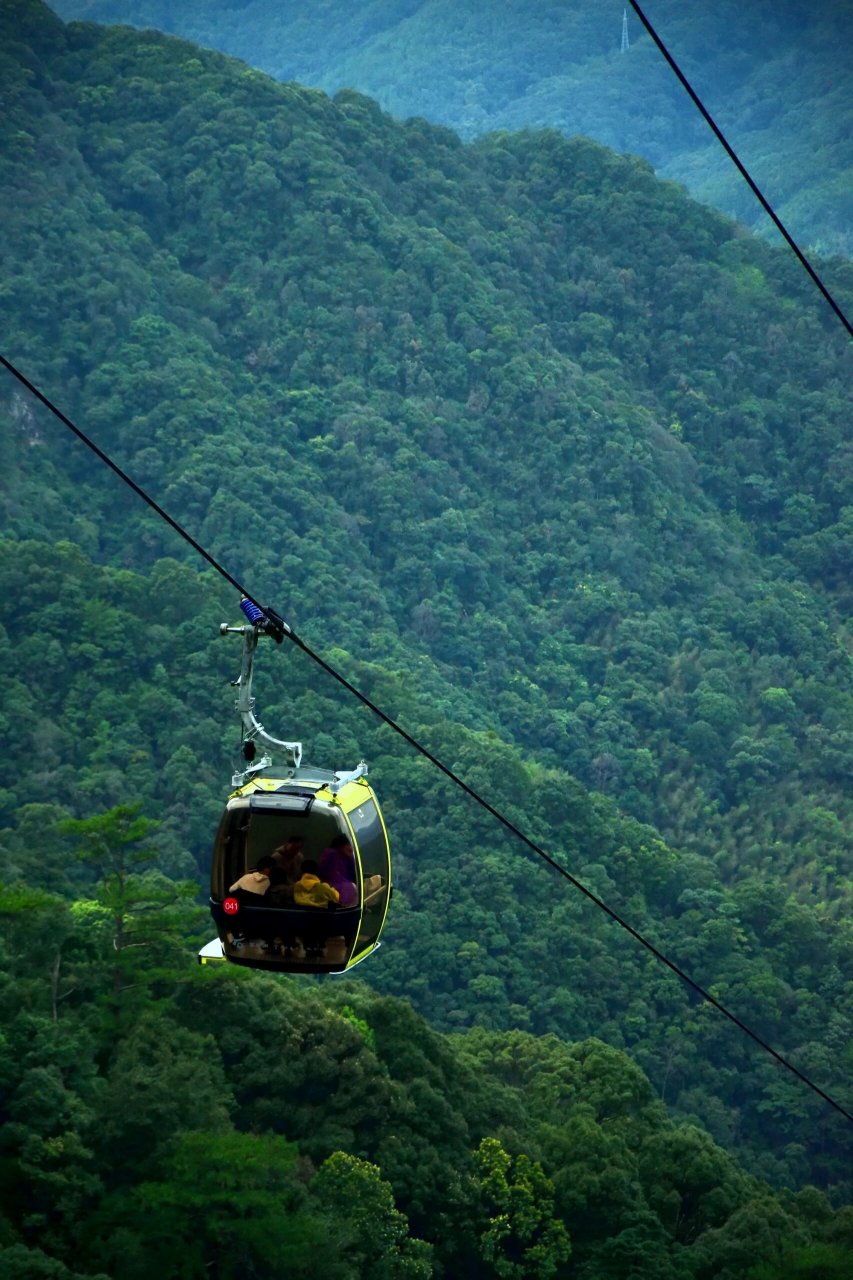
122	475
741	168
418	746
567	875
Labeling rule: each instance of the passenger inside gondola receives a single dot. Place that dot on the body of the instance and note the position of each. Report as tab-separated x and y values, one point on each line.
337	867
287	869
311	891
254	884
301	885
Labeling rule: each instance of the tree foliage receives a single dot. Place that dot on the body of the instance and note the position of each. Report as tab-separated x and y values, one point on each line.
461	64
553	464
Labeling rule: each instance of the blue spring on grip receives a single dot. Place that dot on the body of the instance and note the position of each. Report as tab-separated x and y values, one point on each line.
252	612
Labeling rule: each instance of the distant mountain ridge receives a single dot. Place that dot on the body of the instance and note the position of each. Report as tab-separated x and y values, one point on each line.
433	339
552	460
775	76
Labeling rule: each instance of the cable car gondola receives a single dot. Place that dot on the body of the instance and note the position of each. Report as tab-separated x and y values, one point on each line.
335	818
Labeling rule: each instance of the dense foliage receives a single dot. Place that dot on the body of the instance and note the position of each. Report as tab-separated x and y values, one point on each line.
440	392
127	695
774	75
555	465
161	1121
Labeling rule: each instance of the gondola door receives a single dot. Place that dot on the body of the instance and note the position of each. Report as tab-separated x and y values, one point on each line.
371	841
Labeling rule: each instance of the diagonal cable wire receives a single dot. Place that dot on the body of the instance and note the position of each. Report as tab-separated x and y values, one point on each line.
741	168
122	475
567	875
425	752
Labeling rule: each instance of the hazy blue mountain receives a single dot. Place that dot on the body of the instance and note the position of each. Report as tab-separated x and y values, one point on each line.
775	75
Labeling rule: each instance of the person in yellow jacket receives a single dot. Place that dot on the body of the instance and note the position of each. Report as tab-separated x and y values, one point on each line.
311	891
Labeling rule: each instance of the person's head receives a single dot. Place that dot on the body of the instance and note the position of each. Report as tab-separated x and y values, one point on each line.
342	843
310	868
265	865
290	850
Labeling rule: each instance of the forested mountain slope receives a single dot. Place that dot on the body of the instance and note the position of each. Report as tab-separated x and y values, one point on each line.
774	74
173	1122
551	460
606	490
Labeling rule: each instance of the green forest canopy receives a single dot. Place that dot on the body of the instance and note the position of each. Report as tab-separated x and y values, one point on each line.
773	74
577	516
170	1121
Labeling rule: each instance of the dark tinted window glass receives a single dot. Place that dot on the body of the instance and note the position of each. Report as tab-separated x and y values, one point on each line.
267	830
230	852
244	836
371	840
374	864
